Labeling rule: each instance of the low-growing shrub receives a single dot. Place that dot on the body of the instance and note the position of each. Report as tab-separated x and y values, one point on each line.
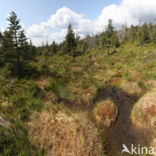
58	87
36	92
14	141
26	102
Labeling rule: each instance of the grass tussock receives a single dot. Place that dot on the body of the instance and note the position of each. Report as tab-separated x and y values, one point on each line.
63	134
105	113
144	111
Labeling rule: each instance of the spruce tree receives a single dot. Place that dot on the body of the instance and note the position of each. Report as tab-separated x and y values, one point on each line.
154	34
1	36
33	50
70	41
109	29
110	39
54	47
144	35
46	51
1	53
15	47
133	33
107	40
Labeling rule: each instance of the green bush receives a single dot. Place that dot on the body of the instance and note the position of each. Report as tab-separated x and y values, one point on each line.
26	102
58	87
36	92
44	70
31	72
19	100
24	113
35	104
14	141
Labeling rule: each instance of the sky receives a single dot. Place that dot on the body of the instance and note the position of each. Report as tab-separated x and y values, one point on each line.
47	20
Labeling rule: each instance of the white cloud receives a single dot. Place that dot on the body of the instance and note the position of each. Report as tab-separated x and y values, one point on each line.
85	26
62	18
60	21
2	30
119	15
58	37
36	31
146	9
127	12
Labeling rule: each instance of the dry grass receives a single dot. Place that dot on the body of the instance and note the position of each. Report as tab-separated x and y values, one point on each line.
152	84
43	81
143	114
105	113
83	97
4	122
153	144
50	96
116	82
77	69
131	88
144	111
64	135
4	102
88	95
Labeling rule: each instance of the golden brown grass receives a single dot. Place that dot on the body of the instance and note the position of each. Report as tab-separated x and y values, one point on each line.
144	111
64	135
153	144
105	113
43	81
131	87
152	84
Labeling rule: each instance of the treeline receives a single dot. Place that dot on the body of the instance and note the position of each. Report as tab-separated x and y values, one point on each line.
16	54
72	45
141	34
108	39
112	38
75	46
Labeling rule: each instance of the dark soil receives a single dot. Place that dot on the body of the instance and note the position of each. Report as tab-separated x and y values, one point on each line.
122	132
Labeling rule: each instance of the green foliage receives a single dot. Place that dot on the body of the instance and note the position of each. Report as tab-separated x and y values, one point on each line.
145	35
14	141
45	70
36	92
33	50
28	101
142	34
70	41
54	47
109	38
59	88
16	51
133	33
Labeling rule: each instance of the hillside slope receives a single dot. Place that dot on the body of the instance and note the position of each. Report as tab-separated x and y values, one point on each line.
55	112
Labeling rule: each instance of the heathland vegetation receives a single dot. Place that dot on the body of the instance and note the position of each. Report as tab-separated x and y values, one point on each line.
81	97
